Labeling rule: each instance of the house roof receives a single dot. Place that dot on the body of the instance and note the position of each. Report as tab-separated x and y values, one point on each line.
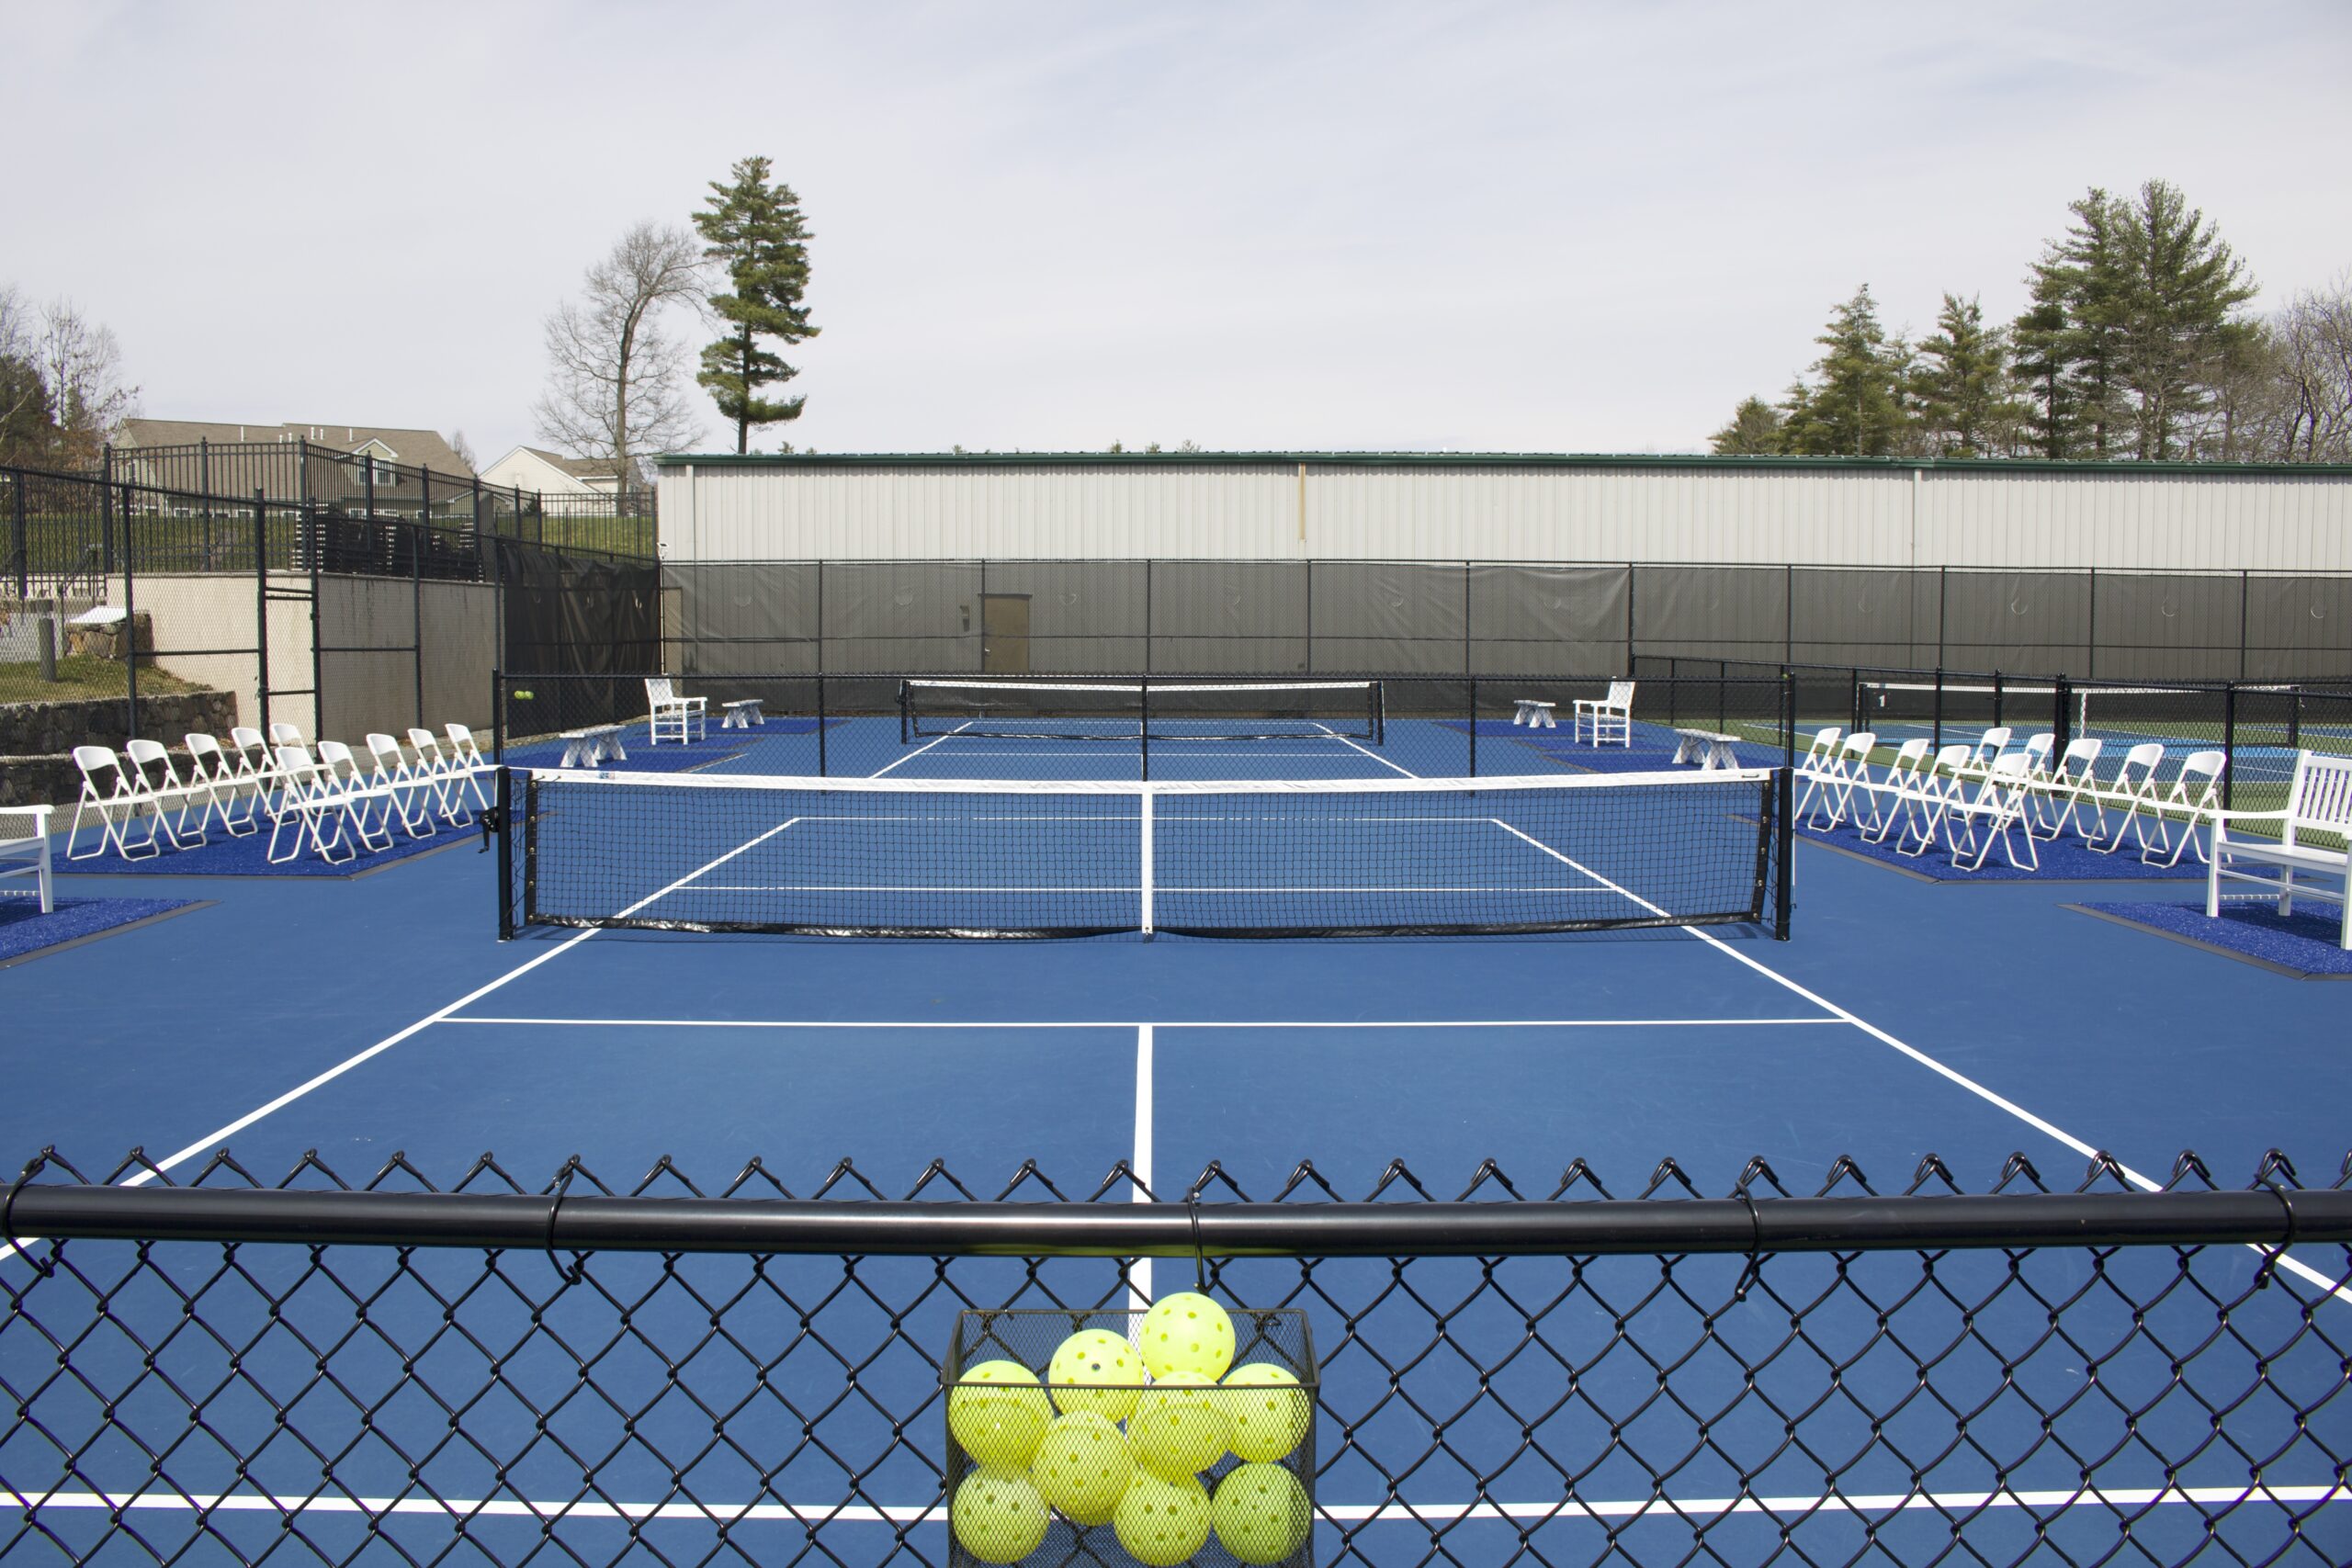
418	448
579	468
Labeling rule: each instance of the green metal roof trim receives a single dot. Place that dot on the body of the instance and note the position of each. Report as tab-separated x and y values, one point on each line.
1687	462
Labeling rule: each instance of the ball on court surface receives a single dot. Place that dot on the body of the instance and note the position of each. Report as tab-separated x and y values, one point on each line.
1084	1467
1261	1513
1268	1409
1187	1333
1095	1357
996	1413
1180	1427
998	1515
1162	1522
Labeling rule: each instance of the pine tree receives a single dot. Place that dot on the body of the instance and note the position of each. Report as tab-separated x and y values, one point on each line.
2086	277
2179	286
1854	407
1963	387
755	231
2038	368
1753	430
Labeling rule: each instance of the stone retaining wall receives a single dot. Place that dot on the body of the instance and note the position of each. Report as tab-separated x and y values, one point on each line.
37	739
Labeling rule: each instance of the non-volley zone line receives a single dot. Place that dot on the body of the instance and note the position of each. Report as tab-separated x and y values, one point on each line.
1692	1511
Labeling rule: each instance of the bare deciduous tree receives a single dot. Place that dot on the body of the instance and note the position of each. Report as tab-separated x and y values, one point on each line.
2313	335
81	364
616	384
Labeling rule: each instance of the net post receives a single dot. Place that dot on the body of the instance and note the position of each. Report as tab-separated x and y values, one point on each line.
2294	718
1473	726
260	608
1143	870
1788	716
1784	853
2063	720
1854	698
1998	682
1937	742
1143	752
503	785
822	770
906	710
1380	712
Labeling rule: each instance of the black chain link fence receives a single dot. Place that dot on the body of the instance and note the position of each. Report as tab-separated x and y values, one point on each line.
238	1370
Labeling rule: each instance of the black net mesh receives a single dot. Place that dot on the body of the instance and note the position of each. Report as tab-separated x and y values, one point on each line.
1327	857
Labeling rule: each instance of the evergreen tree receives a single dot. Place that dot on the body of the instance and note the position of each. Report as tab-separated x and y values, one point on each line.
2087	275
1854	407
1963	387
1754	430
2038	367
755	231
2179	288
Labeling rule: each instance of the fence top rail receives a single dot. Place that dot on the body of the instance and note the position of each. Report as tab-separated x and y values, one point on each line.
596	1222
1137	563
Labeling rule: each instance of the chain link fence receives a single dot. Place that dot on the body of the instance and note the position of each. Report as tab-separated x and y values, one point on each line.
1572	1372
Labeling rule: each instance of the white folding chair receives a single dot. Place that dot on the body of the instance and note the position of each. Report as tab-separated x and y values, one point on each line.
149	766
1989	746
2135	786
2070	794
108	794
2196	790
1903	779
466	758
405	792
1996	812
448	784
681	718
1848	771
212	779
257	766
1942	784
282	735
357	800
1818	754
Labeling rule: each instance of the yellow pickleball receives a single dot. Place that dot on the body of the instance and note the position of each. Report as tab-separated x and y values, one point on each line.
1098	1370
1084	1467
1268	1409
1261	1513
1187	1333
996	1413
1179	1427
999	1516
1163	1522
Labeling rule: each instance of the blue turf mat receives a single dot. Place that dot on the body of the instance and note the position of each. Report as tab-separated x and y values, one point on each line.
249	856
2065	859
24	930
2303	943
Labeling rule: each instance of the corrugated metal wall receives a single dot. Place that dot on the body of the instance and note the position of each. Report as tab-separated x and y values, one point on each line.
1266	510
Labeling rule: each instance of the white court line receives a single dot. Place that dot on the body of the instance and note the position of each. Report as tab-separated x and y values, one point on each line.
1139	1272
920	750
1678	1509
1129	888
1373	755
1158	1023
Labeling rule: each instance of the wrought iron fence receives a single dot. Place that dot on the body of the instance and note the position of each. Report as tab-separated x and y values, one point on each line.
298	1369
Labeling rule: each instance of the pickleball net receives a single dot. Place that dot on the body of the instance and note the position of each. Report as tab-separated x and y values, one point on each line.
1016	858
1179	710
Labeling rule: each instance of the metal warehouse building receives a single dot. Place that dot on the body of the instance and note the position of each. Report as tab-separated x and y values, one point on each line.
1429	563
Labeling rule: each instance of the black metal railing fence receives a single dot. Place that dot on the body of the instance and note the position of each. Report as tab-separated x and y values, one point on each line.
305	1370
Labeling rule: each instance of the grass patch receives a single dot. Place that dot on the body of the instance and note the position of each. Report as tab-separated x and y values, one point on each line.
84	678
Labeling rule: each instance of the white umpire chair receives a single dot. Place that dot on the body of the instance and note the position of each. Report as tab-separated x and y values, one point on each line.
672	717
1609	718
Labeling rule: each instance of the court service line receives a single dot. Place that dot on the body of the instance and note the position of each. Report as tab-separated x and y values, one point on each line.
1373	755
1158	1023
920	750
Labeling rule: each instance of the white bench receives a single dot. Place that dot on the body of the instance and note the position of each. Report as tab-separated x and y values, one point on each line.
1709	749
2318	801
743	715
586	748
24	838
1533	714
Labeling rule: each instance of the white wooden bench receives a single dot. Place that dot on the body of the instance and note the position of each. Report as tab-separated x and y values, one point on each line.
1533	714
586	748
743	715
1709	749
2319	801
24	839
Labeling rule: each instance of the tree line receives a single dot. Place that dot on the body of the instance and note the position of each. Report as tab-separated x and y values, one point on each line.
618	374
61	392
2135	345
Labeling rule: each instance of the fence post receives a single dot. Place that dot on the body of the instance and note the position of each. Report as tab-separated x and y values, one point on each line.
2090	640
1473	726
1789	615
822	770
1937	742
130	617
2062	721
20	538
1630	644
416	613
2229	749
261	607
2245	584
106	518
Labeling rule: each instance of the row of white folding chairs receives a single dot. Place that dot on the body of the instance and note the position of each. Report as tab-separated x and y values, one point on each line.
2019	791
339	810
141	805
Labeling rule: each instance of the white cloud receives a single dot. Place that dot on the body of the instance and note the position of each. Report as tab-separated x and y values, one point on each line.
1513	227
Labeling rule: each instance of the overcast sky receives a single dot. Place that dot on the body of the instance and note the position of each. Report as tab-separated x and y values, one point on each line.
1317	226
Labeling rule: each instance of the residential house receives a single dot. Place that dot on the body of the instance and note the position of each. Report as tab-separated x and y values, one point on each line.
530	469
